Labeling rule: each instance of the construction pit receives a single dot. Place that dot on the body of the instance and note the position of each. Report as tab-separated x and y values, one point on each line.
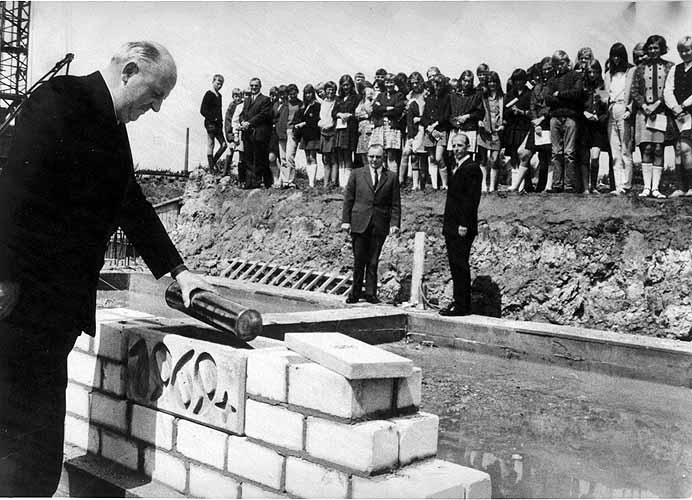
159	404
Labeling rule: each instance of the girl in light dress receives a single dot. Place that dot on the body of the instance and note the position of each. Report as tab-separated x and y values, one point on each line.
490	131
363	113
618	83
327	126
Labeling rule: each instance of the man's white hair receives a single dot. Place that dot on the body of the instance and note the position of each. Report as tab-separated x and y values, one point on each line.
147	52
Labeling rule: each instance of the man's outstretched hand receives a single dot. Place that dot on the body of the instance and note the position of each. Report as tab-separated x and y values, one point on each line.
190	282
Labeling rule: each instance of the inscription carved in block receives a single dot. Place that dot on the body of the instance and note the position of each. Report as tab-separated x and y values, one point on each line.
194	379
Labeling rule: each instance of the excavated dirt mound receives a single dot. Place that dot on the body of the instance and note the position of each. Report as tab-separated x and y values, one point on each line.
616	263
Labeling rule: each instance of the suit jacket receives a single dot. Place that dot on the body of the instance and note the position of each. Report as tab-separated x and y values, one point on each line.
463	198
365	203
259	114
69	183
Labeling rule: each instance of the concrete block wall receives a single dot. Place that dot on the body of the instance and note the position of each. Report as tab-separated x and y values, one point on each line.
209	420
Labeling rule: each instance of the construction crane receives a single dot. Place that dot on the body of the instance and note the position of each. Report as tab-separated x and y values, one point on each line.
14	66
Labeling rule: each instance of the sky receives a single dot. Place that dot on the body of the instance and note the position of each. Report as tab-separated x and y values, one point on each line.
307	42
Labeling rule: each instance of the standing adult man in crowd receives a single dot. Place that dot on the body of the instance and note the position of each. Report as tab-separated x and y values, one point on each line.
460	224
565	95
256	124
372	210
69	183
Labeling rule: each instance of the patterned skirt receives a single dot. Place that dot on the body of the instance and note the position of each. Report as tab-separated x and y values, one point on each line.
387	137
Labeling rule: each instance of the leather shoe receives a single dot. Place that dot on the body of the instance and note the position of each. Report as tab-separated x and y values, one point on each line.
454	310
351	299
372	299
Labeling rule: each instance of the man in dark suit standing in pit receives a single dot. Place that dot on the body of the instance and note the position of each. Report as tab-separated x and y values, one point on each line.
68	184
256	124
372	210
460	224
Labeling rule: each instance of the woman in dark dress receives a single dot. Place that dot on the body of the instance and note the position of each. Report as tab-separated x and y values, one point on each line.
309	131
517	111
346	136
387	112
593	136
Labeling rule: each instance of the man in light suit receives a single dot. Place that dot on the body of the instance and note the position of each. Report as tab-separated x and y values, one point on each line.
372	210
69	183
460	224
256	124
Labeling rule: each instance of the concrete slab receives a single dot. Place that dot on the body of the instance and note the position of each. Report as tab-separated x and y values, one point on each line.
429	479
371	324
347	356
635	356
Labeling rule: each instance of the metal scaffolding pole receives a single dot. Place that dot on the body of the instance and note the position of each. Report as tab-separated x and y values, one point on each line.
14	53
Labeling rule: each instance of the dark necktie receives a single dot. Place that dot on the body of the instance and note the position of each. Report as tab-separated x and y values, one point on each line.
654	77
377	176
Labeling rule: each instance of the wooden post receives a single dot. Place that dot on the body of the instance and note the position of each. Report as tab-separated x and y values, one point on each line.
417	272
187	148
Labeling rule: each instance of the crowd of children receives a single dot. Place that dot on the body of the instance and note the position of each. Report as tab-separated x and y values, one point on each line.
549	122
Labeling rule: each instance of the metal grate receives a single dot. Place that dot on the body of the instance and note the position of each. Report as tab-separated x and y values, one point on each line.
266	273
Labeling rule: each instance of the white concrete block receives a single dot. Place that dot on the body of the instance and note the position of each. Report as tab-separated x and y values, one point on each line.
111	340
249	490
417	436
109	411
309	480
207	483
119	449
201	443
316	387
77	400
81	434
274	424
113	377
84	342
266	372
152	426
126	313
165	468
429	479
84	369
365	447
409	390
350	357
255	462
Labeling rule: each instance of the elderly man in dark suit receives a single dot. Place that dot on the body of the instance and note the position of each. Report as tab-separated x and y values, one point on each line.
69	183
372	210
460	225
256	124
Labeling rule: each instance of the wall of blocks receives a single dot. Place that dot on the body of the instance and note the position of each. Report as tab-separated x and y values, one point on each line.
210	420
